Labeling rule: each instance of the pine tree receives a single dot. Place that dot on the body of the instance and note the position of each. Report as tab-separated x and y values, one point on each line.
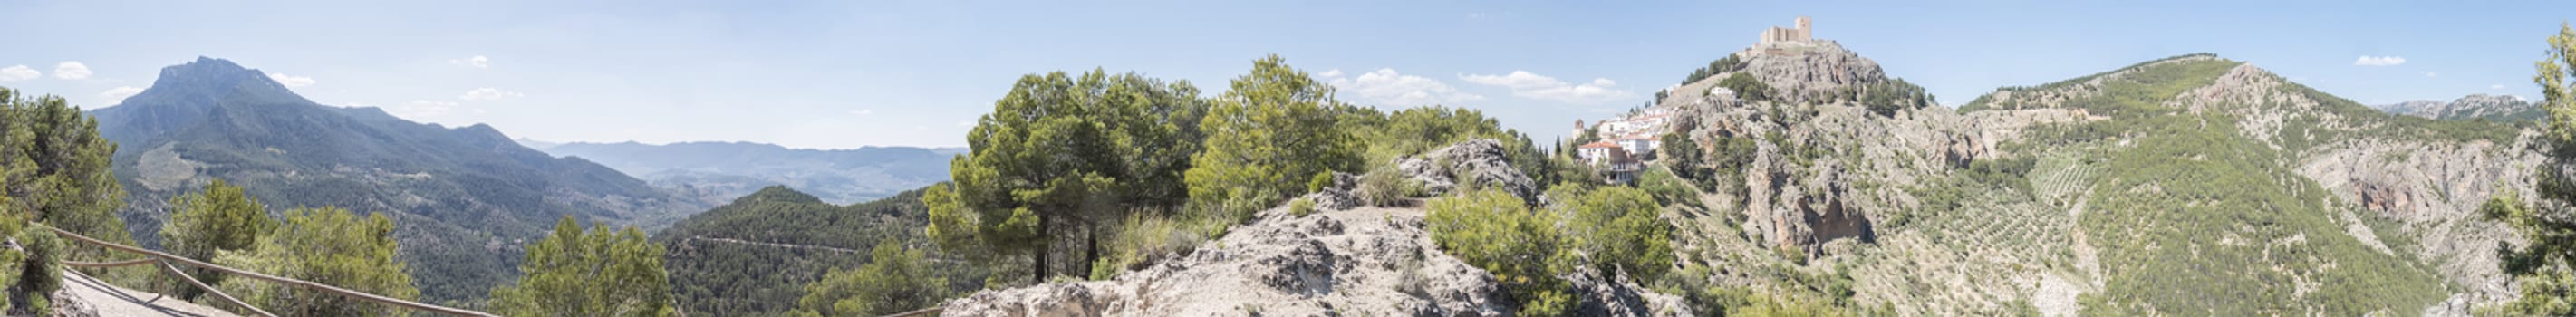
326	245
54	173
218	218
595	273
1060	156
1272	129
894	280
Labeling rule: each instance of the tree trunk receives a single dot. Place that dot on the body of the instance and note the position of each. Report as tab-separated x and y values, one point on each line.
1091	253
1039	267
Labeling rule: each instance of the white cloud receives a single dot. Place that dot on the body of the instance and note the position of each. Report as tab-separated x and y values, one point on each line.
291	81
478	61
863	112
2432	74
967	123
71	70
1336	72
421	109
118	94
2495	86
1387	87
488	93
1527	85
20	72
2367	60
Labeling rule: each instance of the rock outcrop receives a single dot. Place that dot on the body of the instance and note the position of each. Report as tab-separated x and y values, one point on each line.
1359	262
1801	69
1480	162
1345	259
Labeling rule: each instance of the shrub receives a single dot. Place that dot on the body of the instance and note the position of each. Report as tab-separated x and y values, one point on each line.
1321	181
1301	207
1620	228
1496	231
1145	239
1382	187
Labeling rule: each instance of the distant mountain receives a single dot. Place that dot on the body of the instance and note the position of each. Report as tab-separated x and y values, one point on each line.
463	199
754	256
534	144
723	170
2504	108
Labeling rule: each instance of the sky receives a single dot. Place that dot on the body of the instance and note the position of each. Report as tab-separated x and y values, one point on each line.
848	74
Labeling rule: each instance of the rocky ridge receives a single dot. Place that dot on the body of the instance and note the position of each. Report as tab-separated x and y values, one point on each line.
1858	192
1344	259
2508	108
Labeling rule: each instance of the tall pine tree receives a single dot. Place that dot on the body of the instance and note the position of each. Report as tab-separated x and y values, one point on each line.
1058	158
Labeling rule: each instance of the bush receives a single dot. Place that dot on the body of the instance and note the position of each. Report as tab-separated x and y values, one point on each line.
1142	240
1383	187
1301	207
1621	229
1496	231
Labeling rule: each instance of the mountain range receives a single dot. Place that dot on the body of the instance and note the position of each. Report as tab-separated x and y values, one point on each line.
463	198
719	171
2499	108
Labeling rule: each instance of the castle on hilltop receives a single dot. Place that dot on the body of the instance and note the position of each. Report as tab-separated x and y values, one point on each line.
1801	34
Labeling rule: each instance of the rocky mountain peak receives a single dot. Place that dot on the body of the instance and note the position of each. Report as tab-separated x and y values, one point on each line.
1809	67
210	79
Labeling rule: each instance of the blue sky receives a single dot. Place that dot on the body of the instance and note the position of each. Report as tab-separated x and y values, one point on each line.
849	74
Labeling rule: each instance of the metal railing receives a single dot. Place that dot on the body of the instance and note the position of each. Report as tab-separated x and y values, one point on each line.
167	262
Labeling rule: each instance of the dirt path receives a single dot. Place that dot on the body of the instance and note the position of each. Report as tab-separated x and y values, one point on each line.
109	300
780	245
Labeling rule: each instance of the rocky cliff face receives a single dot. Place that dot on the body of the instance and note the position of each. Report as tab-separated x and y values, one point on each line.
1806	68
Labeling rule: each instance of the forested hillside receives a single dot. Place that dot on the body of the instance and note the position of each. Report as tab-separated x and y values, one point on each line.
754	256
461	195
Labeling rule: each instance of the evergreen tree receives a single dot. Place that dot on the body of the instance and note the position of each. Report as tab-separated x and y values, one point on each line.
894	280
1273	128
54	173
326	245
1746	87
2543	265
1058	157
218	218
595	273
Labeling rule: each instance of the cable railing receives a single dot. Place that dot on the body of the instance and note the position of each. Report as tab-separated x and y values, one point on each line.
168	264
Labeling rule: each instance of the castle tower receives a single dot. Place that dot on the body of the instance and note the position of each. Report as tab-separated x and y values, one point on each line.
1804	32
